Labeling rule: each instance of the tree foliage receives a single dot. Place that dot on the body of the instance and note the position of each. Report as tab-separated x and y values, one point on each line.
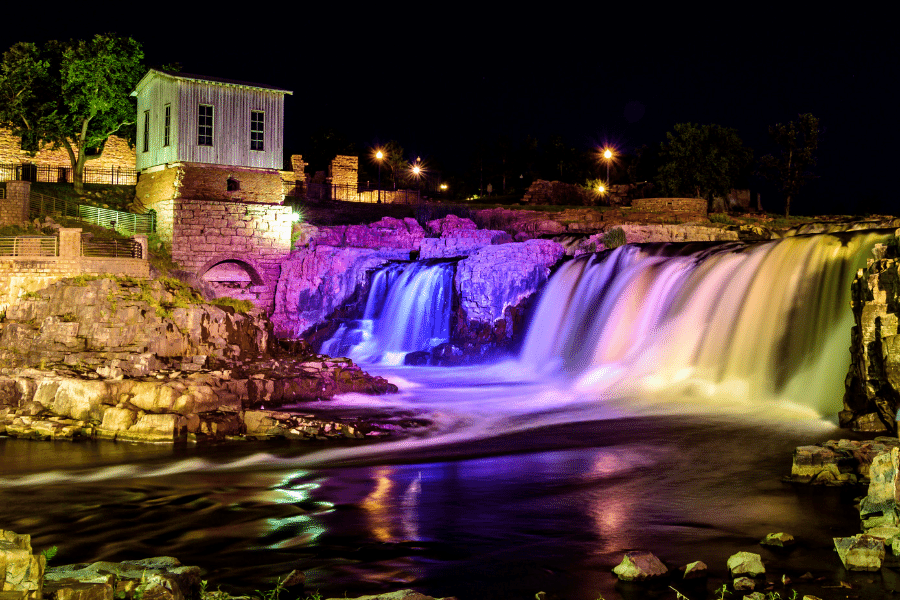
798	142
73	94
701	161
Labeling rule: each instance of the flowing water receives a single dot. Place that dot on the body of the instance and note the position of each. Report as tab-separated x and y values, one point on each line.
655	404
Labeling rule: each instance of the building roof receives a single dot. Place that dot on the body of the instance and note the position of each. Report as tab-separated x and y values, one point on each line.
205	79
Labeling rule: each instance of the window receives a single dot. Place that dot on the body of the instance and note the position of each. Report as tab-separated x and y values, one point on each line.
167	122
146	131
205	125
257	130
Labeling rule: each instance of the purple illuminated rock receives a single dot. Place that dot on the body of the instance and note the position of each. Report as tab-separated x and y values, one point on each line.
499	278
316	281
397	234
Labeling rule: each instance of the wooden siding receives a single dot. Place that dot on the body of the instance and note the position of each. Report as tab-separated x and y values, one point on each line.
154	98
231	125
232	106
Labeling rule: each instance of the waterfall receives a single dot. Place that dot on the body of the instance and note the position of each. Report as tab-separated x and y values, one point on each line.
726	323
407	310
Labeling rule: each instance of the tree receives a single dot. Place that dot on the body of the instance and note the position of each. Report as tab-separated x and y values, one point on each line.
73	94
701	161
790	170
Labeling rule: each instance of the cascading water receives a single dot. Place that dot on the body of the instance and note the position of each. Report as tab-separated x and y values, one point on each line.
729	323
408	309
537	473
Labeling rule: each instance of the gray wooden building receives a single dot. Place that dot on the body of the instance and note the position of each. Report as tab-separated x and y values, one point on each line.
189	118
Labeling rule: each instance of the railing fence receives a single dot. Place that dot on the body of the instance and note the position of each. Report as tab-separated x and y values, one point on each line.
63	174
358	193
123	222
111	248
29	245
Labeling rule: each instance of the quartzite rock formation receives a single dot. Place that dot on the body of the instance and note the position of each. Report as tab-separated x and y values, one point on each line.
872	398
120	358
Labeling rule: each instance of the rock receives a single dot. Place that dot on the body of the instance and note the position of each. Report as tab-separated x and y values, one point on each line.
20	569
315	282
462	243
638	233
498	278
388	233
639	566
860	552
744	584
873	380
746	563
160	578
122	327
398	595
695	570
779	540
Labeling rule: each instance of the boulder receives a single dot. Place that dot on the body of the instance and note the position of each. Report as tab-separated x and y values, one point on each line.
314	282
695	570
860	552
640	566
778	540
744	584
746	563
20	569
498	278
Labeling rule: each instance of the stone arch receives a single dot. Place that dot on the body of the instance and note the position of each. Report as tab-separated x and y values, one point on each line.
231	268
233	277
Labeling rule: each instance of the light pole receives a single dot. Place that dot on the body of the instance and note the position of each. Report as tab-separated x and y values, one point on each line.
607	154
379	155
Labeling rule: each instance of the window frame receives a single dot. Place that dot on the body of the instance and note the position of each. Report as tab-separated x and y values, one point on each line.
146	144
167	123
257	130
205	130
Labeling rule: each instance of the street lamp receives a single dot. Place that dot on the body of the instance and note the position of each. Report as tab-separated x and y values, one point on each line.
379	155
607	154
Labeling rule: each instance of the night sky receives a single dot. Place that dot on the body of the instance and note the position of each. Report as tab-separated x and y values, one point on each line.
439	79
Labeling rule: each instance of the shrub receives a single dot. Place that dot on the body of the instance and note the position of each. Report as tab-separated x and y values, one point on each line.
614	238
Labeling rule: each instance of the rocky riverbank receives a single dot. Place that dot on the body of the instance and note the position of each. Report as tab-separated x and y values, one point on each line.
150	362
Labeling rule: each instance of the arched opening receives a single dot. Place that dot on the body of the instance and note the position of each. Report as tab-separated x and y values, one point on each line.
233	278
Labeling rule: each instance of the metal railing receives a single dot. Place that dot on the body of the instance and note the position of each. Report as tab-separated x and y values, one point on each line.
123	222
29	245
2	193
358	193
63	174
111	248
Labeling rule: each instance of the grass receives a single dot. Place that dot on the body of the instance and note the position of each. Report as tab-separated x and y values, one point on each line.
116	197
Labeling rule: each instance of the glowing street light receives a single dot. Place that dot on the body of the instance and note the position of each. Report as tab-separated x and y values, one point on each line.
608	155
378	156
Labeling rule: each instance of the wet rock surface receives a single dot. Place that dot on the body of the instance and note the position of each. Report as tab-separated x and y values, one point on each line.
872	398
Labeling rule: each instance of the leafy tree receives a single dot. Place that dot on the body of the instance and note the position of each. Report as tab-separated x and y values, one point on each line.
73	94
791	169
701	161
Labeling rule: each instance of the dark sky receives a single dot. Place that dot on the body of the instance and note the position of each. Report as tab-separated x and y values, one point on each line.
438	78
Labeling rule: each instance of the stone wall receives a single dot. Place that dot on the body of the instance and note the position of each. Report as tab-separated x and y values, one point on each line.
253	235
344	170
693	206
208	182
116	153
14	207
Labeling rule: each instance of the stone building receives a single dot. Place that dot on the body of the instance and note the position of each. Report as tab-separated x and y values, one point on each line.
209	153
